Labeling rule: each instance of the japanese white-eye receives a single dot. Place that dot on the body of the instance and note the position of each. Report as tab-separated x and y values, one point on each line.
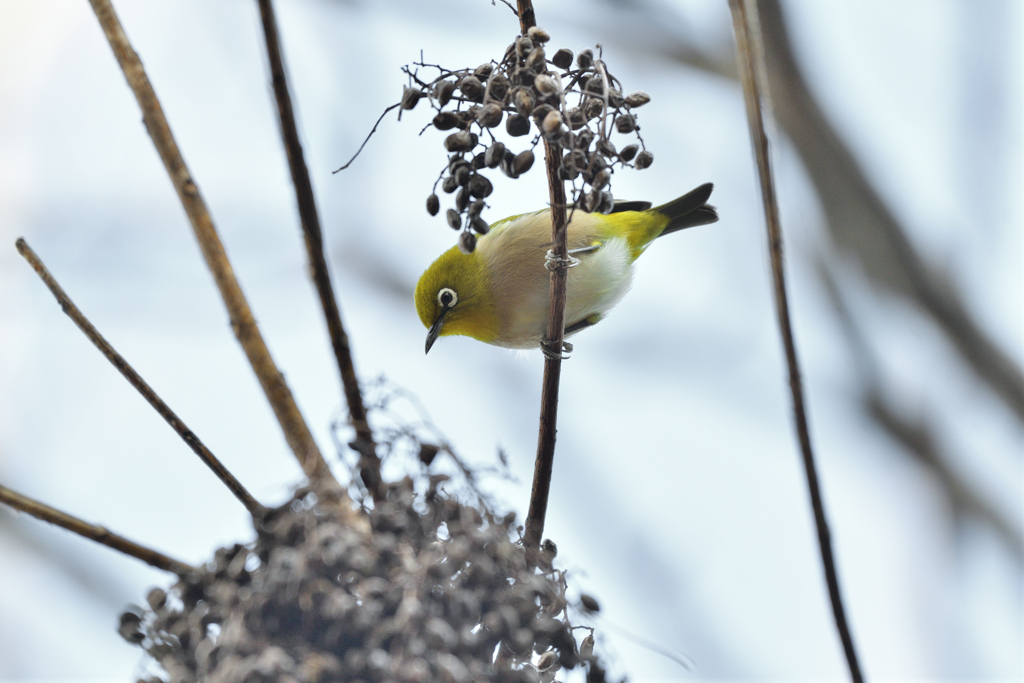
499	293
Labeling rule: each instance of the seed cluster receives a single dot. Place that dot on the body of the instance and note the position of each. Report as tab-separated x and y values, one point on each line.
575	108
435	590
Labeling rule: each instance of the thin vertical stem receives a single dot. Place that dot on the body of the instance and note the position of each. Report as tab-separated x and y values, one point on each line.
754	91
555	332
243	323
364	443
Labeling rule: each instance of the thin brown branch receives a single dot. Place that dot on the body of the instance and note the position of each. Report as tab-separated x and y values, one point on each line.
243	323
92	532
753	89
553	337
369	463
122	365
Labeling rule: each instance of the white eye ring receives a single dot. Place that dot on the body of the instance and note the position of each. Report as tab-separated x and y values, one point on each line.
447	297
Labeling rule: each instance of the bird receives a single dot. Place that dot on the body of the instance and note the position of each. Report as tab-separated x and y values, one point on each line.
499	293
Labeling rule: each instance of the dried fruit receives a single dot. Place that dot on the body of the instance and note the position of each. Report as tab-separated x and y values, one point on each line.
454	219
522	163
446	120
443	92
628	152
637	99
410	96
644	159
459	142
562	59
467	243
433	205
489	115
585	59
471	88
538	35
517	125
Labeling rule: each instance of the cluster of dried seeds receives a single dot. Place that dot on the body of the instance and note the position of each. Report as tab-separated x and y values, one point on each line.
576	109
435	590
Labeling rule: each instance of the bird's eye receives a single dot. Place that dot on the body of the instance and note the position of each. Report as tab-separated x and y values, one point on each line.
447	297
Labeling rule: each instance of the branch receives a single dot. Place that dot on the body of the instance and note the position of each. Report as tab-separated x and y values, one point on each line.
555	332
364	443
243	323
92	532
118	361
751	76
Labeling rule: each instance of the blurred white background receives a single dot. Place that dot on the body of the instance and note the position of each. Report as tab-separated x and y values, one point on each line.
678	493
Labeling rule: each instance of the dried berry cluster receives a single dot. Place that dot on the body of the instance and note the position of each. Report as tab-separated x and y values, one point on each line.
576	109
433	591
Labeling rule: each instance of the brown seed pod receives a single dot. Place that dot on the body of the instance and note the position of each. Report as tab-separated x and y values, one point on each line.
594	86
585	59
433	205
410	96
497	88
489	115
605	147
443	92
461	174
484	71
628	152
449	185
454	219
576	119
522	162
643	160
462	199
562	59
523	47
428	452
536	61
471	88
479	225
458	142
480	186
552	123
538	35
446	120
584	138
591	201
601	179
589	603
494	153
607	203
625	123
479	161
614	98
637	99
467	243
506	163
540	112
587	647
592	108
475	208
517	125
546	85
522	100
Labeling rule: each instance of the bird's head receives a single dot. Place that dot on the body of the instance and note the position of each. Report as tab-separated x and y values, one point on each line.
454	297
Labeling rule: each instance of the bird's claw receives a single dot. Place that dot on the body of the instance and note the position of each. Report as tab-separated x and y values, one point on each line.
551	351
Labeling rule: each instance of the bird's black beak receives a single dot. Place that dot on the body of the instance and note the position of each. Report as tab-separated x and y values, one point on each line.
435	329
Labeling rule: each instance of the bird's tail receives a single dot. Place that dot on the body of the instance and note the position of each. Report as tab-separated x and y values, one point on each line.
689	210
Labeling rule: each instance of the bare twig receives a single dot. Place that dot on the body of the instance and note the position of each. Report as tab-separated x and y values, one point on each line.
555	331
243	323
369	462
753	88
118	361
92	531
369	135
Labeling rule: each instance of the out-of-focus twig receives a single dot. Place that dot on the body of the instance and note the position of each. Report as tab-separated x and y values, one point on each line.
369	464
243	323
915	434
92	532
862	224
555	331
746	29
133	377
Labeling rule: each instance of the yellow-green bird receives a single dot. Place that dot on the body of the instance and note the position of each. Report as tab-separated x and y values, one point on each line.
499	293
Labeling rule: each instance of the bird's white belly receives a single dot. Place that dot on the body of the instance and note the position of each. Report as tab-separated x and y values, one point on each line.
595	285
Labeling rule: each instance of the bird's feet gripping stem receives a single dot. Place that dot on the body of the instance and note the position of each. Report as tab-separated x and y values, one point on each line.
552	352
